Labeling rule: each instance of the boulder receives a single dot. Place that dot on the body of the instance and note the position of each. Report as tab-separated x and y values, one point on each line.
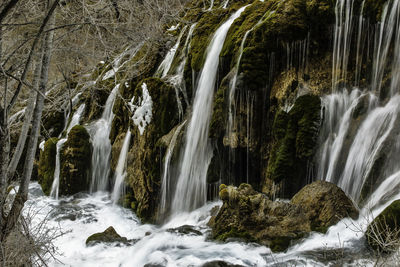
47	163
383	232
220	264
108	236
250	216
185	230
75	161
325	204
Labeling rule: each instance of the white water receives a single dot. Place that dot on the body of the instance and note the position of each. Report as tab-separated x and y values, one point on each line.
99	132
120	172
166	183
191	186
74	121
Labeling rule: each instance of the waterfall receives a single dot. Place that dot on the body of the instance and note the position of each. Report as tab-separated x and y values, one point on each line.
177	78
191	187
360	136
99	132
165	65
120	170
166	183
56	180
342	41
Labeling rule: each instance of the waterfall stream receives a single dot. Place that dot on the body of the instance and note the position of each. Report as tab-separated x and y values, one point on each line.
99	133
191	185
120	173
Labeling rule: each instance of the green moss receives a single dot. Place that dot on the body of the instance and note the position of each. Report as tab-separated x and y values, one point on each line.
75	162
219	114
295	135
384	229
235	233
47	164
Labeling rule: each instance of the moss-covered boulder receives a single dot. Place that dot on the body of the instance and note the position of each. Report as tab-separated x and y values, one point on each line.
147	152
251	216
75	161
383	232
325	204
47	164
108	236
295	135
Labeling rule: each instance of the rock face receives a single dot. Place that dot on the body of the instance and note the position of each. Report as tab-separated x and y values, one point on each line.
325	204
75	162
383	233
108	236
249	215
47	163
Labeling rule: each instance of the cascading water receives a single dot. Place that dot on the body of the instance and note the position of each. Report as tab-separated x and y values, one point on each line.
191	187
358	128
99	133
165	65
166	182
74	121
120	170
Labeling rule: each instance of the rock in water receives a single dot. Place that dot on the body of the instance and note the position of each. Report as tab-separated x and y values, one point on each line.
251	216
108	236
325	205
383	232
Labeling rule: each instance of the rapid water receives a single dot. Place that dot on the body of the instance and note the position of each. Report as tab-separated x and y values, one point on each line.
191	185
99	132
120	172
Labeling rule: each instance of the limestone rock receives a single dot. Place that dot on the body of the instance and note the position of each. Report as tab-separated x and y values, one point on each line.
325	204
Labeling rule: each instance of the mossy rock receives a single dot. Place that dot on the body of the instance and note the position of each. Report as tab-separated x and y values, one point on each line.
295	138
383	232
75	162
147	152
108	236
47	164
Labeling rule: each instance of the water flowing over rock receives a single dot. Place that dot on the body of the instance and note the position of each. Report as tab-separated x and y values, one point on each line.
191	184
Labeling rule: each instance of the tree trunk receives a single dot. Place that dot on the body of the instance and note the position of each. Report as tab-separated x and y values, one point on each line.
27	123
22	194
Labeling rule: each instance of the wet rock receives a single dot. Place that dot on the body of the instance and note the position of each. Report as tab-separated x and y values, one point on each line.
252	217
383	232
47	164
108	236
75	160
185	230
325	204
